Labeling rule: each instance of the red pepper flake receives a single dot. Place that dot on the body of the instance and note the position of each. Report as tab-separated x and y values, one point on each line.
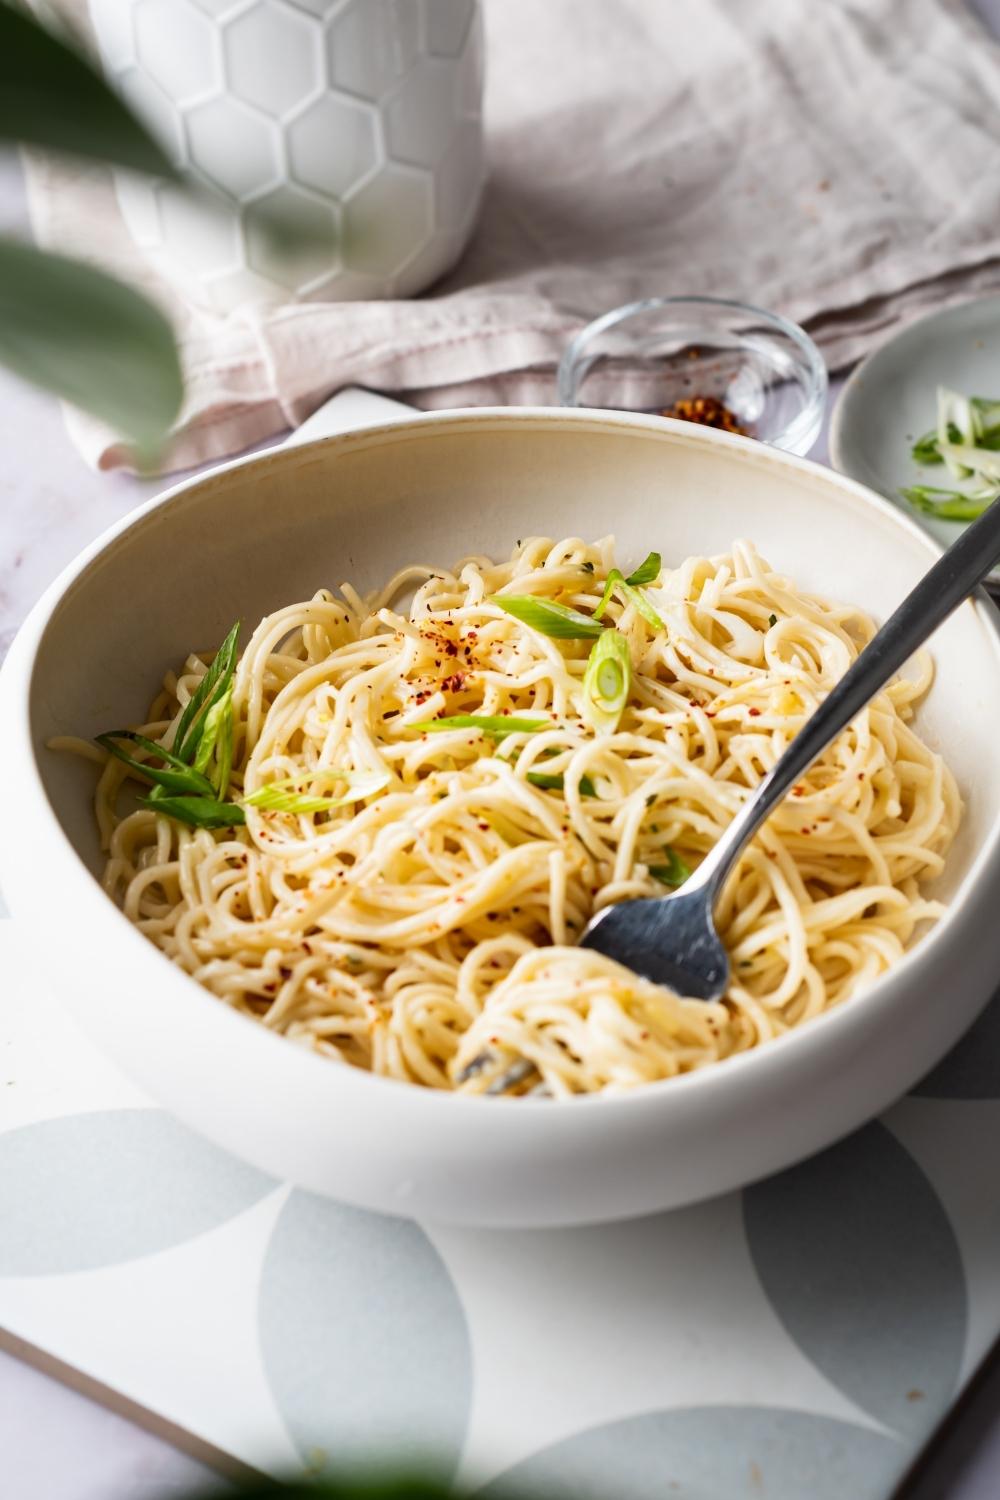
806	830
754	713
707	411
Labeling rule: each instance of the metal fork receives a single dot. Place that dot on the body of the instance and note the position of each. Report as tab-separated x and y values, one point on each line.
672	939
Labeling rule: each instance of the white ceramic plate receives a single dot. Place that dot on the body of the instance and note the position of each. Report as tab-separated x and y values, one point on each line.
891	399
275	527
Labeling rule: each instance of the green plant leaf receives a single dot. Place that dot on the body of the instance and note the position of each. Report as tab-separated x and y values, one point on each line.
100	345
51	96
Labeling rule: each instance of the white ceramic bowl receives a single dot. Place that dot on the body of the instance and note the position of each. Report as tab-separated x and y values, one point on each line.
272	528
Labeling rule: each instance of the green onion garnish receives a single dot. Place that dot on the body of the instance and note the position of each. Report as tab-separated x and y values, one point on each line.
967	441
213	685
175	777
631	595
548	617
950	505
674	873
497	726
606	682
554	783
204	734
197	812
647	572
286	795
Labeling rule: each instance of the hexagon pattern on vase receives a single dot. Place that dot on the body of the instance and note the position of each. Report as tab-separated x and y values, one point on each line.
314	226
448	26
147	100
234	147
273	57
333	146
387	220
421	116
372	44
201	233
114	30
176	44
361	116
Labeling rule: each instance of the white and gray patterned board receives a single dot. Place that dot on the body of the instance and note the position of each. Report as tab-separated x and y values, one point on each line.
802	1338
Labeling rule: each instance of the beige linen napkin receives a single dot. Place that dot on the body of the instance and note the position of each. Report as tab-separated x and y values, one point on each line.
835	160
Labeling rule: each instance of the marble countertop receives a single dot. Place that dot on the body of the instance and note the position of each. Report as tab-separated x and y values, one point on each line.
57	1444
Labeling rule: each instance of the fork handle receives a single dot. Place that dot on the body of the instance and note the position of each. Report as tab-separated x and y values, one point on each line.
941	590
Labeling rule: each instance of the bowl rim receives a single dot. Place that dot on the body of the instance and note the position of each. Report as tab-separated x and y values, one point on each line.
800	432
33	806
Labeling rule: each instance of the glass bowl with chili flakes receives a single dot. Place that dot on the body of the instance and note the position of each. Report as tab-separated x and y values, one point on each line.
702	359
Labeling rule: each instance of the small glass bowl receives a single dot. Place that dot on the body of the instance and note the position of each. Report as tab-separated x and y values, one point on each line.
650	355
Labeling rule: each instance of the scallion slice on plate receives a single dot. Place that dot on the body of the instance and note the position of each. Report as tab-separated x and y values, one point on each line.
606	682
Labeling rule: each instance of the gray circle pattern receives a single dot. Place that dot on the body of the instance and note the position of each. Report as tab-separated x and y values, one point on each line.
711	1453
860	1262
90	1190
363	1337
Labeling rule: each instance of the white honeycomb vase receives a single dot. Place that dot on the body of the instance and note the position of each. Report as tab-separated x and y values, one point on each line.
360	118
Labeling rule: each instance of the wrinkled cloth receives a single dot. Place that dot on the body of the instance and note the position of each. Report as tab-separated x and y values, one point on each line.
833	160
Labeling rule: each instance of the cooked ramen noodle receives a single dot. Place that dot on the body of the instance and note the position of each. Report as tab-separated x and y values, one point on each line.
410	805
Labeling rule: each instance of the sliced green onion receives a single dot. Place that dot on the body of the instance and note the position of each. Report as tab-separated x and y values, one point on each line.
972	459
674	873
648	571
285	795
550	782
925	449
175	777
607	682
631	595
224	743
954	411
950	505
215	740
987	414
497	726
212	686
197	812
548	617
